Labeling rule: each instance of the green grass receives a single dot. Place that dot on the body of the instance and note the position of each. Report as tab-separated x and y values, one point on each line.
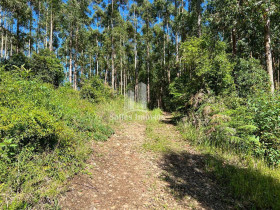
248	179
158	138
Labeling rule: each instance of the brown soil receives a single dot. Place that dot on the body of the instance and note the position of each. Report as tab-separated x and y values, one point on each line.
124	176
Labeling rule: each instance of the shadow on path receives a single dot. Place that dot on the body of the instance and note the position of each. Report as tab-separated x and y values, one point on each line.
185	174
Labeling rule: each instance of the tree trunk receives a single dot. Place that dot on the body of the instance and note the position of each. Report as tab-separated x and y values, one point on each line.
17	50
11	48
268	53
106	70
1	31
135	59
113	66
121	67
2	37
38	27
75	75
70	55
177	48
148	69
113	50
199	18
76	60
233	33
168	66
90	61
66	61
82	64
6	43
51	31
97	65
29	41
46	35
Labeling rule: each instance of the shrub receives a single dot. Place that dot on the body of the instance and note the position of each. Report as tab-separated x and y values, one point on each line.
47	67
250	77
95	90
44	66
16	60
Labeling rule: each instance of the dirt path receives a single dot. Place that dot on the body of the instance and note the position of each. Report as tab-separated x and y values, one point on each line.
124	176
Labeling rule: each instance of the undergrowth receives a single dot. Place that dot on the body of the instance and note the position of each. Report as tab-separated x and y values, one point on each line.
247	178
45	138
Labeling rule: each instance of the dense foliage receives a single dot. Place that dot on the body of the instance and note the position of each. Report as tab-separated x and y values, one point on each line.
94	90
228	100
45	136
44	66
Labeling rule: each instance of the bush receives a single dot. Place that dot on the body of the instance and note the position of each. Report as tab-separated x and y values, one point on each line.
16	60
95	90
47	67
44	66
250	78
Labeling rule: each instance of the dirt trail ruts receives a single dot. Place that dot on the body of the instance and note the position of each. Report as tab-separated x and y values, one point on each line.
123	176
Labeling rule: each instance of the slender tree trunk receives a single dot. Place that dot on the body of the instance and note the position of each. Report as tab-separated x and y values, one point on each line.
168	66
75	75
29	40
76	60
11	48
113	50
2	35
268	53
177	48
199	18
38	27
96	57
46	35
90	61
135	59
278	73
106	70
148	69
70	56
97	65
66	60
17	49
82	64
6	42
233	32
106	76
113	66
124	83
51	31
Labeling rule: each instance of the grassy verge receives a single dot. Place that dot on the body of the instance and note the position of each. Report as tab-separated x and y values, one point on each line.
248	179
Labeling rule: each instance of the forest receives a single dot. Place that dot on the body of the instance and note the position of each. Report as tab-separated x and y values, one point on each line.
67	65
